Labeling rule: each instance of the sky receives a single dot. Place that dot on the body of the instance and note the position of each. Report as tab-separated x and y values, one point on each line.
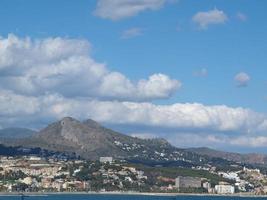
193	72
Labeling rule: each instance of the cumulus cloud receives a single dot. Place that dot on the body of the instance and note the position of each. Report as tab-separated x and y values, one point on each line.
120	9
12	105
186	116
242	79
184	125
131	33
48	79
211	17
176	116
64	66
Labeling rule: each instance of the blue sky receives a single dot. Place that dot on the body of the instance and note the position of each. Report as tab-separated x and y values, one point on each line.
210	52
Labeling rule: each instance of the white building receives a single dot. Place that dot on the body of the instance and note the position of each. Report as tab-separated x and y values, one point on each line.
224	189
230	175
35	158
251	170
206	185
105	159
27	180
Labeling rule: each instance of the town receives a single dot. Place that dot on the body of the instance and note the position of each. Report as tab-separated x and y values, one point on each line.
38	174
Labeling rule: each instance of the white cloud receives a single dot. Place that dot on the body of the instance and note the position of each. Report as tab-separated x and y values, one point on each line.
242	79
211	17
176	116
45	80
64	66
131	33
248	141
120	9
185	116
241	16
184	125
12	105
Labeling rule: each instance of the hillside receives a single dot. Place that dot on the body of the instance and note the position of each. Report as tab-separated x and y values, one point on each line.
250	158
15	132
90	140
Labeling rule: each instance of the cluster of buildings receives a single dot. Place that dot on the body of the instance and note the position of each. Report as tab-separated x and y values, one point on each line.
33	173
245	180
194	182
36	174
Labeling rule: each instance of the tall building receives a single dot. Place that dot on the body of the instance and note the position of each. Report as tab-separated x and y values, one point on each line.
187	182
224	189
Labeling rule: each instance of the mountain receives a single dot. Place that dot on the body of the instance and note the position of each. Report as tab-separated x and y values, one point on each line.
90	140
87	139
21	151
16	133
251	158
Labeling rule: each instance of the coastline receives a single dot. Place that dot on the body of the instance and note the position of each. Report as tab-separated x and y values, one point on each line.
129	193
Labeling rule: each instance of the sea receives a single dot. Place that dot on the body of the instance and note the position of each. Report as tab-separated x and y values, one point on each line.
124	197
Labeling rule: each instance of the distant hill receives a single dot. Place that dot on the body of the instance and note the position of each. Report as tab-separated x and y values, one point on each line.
21	151
251	158
16	133
90	140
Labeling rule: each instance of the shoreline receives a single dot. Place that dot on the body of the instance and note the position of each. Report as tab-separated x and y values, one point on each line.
129	193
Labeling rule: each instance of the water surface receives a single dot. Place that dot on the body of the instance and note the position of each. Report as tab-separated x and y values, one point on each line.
124	197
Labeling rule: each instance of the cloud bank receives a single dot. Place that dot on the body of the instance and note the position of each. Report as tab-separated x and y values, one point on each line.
184	125
177	116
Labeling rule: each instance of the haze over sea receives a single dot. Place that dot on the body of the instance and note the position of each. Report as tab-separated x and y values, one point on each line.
128	197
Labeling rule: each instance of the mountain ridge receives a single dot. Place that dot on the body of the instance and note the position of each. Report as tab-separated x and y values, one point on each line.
91	140
251	158
88	139
16	132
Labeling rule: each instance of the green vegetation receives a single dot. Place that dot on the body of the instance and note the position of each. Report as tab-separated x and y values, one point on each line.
173	172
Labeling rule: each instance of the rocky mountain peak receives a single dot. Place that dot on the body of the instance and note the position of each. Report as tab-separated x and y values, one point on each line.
70	129
67	120
91	123
91	140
